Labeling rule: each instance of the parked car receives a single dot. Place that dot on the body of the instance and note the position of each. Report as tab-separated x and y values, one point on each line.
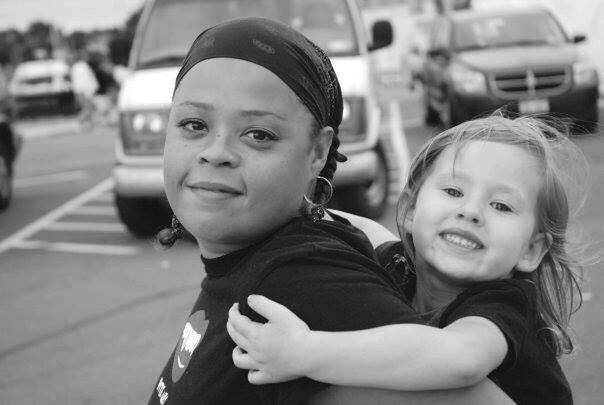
520	58
45	82
9	144
362	183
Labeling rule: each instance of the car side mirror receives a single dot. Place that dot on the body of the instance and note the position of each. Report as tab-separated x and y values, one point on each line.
577	38
381	35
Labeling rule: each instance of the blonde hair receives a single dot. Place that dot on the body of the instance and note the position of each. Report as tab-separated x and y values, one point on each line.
563	165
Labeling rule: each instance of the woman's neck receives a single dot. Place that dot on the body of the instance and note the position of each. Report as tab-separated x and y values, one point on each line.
432	292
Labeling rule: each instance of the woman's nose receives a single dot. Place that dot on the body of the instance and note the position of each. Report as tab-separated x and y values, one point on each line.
218	150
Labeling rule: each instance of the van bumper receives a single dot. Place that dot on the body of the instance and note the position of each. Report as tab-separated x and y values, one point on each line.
148	181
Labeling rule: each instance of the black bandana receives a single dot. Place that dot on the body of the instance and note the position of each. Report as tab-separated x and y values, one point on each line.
297	61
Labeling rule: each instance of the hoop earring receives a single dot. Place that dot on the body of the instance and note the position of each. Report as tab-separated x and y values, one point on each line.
316	210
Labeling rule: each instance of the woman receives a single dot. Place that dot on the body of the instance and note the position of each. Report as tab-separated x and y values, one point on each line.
251	148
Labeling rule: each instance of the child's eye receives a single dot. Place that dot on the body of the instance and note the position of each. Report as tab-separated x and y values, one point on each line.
499	206
193	125
453	192
260	135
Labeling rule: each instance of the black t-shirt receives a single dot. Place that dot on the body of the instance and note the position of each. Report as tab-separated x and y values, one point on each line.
326	273
530	372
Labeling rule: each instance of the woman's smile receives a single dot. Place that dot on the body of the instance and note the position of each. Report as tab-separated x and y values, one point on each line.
213	191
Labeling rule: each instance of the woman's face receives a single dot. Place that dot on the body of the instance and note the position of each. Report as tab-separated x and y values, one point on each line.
239	156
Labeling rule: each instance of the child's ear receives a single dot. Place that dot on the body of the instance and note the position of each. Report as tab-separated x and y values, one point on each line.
534	252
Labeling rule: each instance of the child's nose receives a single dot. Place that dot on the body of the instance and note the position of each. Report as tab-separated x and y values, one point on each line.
470	211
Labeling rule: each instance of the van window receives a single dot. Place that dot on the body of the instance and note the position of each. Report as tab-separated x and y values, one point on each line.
507	30
172	25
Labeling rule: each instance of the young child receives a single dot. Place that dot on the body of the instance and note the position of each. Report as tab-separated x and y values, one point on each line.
484	258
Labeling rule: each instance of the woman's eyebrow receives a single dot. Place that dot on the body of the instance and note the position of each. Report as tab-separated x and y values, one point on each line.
260	113
197	104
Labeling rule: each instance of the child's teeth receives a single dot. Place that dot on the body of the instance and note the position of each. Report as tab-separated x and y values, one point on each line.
460	241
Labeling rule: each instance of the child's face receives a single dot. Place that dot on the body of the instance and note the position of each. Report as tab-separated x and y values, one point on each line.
238	156
477	222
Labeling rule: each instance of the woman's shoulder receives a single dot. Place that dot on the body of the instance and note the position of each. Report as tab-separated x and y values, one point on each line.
301	236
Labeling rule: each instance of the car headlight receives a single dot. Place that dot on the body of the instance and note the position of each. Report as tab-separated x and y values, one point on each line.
584	72
468	80
354	120
143	132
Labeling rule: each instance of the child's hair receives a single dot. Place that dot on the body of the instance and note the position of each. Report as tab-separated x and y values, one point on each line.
557	276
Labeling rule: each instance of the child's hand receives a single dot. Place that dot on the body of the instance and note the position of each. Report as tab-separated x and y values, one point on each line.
273	352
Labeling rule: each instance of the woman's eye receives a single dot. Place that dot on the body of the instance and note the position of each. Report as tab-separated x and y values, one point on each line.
193	125
453	192
260	136
501	207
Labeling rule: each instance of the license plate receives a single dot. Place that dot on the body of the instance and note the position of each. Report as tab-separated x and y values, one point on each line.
533	106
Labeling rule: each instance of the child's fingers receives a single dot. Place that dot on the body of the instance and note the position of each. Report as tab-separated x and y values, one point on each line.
243	360
269	309
259	377
241	323
237	337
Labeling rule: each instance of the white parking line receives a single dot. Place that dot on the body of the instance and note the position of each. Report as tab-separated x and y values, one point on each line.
77	247
95	210
46	179
42	222
105	197
86	227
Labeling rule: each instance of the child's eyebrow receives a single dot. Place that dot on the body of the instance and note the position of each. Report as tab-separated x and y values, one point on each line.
459	175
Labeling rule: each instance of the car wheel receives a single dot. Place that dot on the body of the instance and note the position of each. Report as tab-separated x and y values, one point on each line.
368	200
6	179
143	217
430	114
590	125
449	117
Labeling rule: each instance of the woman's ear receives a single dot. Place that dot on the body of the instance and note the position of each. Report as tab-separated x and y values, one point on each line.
320	149
534	252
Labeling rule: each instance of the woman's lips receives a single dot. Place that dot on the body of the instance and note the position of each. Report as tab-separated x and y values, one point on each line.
213	190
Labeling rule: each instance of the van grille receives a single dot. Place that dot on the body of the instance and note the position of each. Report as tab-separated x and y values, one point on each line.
530	83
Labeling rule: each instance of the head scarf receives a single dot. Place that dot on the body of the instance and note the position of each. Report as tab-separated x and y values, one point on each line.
297	61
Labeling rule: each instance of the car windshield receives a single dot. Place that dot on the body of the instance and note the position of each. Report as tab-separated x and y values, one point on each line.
172	25
509	30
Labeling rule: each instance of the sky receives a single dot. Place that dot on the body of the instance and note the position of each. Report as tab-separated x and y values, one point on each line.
67	15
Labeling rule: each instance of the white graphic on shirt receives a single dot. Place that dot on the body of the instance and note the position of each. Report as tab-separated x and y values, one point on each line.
192	335
161	391
190	339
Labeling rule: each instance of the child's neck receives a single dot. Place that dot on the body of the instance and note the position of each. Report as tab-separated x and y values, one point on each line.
432	292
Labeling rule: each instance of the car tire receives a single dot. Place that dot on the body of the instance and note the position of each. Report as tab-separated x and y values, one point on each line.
6	178
590	125
449	116
368	200
143	217
430	114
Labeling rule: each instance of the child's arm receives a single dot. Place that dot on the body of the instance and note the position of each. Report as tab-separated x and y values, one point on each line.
401	357
376	233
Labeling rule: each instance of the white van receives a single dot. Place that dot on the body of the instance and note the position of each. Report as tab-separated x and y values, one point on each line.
166	30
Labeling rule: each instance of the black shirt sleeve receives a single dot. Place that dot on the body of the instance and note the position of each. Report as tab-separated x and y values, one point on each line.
329	297
387	251
509	304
